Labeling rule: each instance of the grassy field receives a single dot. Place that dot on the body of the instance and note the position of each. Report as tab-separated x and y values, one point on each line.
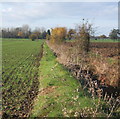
20	61
104	40
38	87
60	94
15	39
98	40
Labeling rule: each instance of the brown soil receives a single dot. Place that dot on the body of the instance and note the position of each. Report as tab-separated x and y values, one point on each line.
47	90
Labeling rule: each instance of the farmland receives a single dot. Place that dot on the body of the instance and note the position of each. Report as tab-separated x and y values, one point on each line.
59	94
33	87
20	62
106	48
55	78
105	53
60	59
105	40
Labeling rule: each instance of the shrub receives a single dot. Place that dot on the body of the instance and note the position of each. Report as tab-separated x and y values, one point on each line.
47	37
48	34
102	36
58	34
83	36
84	40
33	37
114	34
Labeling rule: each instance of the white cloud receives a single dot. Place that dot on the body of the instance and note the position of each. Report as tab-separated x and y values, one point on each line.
24	11
52	14
7	10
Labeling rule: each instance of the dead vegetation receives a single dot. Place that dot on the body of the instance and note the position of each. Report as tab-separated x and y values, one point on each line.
96	70
93	72
107	68
47	90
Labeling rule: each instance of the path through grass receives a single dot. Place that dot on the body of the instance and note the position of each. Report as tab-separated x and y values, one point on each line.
58	90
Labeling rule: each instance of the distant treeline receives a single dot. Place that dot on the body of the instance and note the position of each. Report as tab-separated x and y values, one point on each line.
23	32
40	33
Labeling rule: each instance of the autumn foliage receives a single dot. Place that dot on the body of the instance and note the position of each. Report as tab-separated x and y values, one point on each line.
20	34
83	36
33	37
58	35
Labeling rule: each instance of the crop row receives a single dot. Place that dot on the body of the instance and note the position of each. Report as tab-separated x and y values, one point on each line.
19	73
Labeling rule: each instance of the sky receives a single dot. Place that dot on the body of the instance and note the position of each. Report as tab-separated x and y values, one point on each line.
103	15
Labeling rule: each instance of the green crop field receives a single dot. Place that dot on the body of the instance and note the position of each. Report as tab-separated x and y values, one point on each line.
35	84
20	62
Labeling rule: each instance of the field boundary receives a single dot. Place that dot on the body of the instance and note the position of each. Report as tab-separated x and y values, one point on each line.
58	90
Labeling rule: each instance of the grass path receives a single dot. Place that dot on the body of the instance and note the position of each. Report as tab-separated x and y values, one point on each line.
60	94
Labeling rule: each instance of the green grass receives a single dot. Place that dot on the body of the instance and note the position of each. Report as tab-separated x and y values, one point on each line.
57	96
54	103
105	40
14	39
18	39
98	40
20	60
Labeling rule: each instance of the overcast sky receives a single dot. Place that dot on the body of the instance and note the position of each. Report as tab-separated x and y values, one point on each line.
103	15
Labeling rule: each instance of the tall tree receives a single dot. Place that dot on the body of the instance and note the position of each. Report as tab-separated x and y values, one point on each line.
114	34
58	34
48	32
103	36
83	33
26	30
